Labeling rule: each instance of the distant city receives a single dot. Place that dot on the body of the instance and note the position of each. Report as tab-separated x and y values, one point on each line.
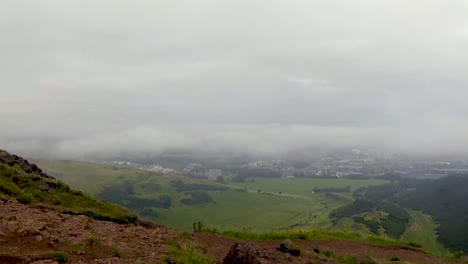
352	163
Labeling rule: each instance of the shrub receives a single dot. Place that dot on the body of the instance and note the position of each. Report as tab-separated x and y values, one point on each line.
412	244
116	252
24	199
302	235
329	254
61	257
186	253
458	254
395	259
93	241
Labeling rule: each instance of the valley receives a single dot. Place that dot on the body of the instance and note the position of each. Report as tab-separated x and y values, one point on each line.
253	205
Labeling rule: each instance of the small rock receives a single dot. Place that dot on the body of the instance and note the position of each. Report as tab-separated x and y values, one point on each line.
39	226
39	238
45	234
13	226
22	232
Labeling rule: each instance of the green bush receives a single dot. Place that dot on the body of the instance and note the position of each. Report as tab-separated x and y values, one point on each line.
302	235
329	254
395	259
412	244
186	254
61	257
458	254
116	252
24	198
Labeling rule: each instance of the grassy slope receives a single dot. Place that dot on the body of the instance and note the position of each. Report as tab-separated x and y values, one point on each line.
295	207
423	232
85	176
19	181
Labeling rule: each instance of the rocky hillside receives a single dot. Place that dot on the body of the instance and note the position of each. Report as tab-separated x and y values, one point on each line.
30	185
41	235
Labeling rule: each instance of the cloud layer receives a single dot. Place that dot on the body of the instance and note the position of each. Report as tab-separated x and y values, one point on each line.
95	77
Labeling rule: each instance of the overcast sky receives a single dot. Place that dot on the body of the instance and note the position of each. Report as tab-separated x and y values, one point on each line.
88	76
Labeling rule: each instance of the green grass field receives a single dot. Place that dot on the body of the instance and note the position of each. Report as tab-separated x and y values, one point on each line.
85	176
423	231
260	206
304	186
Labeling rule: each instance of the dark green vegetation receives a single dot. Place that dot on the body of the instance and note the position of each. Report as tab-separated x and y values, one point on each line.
444	199
394	219
29	184
61	257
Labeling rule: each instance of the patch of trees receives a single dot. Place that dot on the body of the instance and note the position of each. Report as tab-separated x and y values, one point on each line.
197	198
395	223
124	194
181	186
373	225
336	189
446	200
244	173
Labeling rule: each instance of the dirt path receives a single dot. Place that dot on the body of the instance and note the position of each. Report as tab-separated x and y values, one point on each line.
411	227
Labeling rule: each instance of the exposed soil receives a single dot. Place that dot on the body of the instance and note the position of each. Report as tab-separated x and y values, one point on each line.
218	247
28	234
36	235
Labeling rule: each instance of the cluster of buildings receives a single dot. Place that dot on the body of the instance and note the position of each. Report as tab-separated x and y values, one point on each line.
354	163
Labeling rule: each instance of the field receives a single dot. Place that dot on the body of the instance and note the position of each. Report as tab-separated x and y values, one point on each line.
260	205
85	176
423	230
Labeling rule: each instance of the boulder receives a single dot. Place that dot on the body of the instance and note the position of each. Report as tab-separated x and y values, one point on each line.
287	246
242	253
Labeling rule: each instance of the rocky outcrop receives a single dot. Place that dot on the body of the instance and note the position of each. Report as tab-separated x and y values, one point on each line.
14	160
243	253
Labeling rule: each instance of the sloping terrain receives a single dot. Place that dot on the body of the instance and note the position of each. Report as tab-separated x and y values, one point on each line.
338	251
30	234
30	185
43	221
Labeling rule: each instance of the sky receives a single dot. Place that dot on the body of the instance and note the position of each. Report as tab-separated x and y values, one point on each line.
87	77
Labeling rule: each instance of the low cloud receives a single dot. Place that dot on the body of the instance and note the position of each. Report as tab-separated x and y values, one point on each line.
98	78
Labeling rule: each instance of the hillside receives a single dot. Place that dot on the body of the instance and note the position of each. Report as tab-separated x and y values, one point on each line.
440	220
30	185
44	221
